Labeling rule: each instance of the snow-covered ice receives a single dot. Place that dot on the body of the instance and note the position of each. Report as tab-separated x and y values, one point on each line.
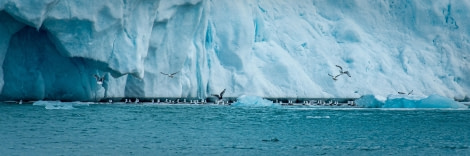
50	49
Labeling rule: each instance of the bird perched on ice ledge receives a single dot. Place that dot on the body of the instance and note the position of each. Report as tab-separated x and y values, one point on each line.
170	75
341	72
99	80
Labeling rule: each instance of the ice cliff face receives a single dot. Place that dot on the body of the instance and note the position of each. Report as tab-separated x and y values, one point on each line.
50	49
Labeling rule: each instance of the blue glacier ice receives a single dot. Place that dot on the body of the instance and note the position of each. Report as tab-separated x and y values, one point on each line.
50	49
254	101
369	101
432	101
408	101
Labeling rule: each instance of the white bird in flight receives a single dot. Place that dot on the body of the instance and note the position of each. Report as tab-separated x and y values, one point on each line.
334	77
341	72
170	75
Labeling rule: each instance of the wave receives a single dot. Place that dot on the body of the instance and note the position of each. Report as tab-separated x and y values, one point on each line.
318	117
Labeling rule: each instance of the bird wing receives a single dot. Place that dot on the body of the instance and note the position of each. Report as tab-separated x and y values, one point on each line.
410	92
340	68
163	73
334	77
222	93
174	73
347	73
216	95
401	93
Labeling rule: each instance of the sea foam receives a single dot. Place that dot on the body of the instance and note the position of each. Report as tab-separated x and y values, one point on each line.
59	104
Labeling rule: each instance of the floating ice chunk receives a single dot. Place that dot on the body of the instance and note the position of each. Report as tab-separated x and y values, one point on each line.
432	101
60	105
254	101
53	105
369	101
407	101
436	101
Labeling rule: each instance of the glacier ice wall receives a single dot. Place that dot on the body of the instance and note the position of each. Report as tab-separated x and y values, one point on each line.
50	49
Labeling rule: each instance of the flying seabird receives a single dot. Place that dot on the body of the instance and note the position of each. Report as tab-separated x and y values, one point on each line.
219	95
340	68
343	72
99	80
334	77
170	75
347	73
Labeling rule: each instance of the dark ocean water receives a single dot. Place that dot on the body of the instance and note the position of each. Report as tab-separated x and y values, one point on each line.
119	129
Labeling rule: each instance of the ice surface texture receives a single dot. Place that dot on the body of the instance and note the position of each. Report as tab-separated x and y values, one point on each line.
50	49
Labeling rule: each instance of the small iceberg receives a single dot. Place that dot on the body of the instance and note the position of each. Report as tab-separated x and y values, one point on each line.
369	101
253	101
59	104
407	101
432	101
